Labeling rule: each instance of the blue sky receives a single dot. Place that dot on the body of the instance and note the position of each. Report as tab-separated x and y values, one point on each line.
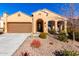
29	8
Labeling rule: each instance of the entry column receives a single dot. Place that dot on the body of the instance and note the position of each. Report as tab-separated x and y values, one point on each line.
56	27
65	26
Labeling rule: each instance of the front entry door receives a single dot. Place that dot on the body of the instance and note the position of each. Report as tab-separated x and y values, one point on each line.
40	25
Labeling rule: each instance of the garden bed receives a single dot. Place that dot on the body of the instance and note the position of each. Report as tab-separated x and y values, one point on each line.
47	48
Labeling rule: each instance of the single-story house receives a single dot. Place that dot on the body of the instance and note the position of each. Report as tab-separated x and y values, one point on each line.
20	22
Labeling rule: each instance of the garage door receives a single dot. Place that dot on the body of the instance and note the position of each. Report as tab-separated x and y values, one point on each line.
16	27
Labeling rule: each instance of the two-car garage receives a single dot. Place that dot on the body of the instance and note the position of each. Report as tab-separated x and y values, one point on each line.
19	27
18	23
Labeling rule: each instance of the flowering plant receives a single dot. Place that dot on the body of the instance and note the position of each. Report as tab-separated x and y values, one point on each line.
36	43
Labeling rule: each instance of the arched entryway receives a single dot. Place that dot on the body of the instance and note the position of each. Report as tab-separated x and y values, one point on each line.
39	25
60	26
51	25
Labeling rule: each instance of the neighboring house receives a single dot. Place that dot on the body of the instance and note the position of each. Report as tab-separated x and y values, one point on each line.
1	24
22	23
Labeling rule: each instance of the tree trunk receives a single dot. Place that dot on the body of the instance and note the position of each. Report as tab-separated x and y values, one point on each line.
73	36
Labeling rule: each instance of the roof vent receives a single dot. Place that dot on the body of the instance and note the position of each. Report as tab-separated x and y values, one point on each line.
19	14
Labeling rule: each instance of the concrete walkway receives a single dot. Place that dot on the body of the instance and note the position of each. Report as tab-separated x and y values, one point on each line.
10	42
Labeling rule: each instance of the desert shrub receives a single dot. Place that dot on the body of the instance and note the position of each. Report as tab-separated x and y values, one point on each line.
24	54
59	53
62	37
66	53
43	35
36	43
77	36
70	53
1	32
70	35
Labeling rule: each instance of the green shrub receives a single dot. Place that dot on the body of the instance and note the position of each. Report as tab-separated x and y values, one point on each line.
43	35
77	36
70	53
66	53
70	35
62	37
1	32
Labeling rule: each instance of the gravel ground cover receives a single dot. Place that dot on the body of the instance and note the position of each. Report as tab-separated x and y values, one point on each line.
47	48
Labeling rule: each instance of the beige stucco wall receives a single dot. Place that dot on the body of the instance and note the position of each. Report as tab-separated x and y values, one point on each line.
40	15
5	16
53	16
15	18
46	16
1	24
22	18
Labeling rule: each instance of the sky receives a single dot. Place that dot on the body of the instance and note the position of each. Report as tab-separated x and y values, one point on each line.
29	8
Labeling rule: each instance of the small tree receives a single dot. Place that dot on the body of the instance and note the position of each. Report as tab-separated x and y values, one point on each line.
69	12
72	20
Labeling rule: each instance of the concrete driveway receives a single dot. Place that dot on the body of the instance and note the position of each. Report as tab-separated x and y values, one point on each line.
9	42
